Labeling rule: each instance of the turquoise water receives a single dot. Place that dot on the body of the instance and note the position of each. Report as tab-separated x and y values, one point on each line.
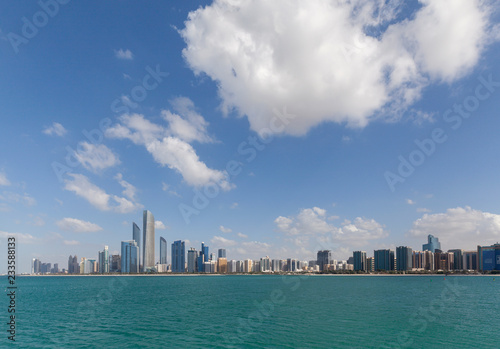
257	311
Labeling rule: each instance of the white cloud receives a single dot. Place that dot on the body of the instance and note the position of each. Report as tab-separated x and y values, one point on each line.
56	129
3	179
410	202
225	230
167	150
234	205
97	197
20	237
459	228
95	157
423	210
77	226
188	125
313	222
340	61
219	241
129	190
124	54
71	242
159	225
243	236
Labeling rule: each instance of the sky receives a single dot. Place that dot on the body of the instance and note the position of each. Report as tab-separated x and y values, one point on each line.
269	128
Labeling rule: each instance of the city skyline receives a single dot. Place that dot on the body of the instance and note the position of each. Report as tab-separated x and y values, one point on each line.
249	137
404	258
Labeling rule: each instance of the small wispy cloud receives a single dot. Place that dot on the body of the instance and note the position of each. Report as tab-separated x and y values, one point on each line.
56	129
410	202
124	54
77	225
225	230
243	236
71	242
3	179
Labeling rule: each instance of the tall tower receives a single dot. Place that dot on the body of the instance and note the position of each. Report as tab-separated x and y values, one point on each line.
178	256
136	236
163	250
148	247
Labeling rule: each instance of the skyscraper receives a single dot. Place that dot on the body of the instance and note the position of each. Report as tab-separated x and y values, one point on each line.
359	260
192	260
458	259
148	249
178	257
116	263
323	258
404	258
129	257
104	261
432	244
265	264
222	265
203	257
163	250
384	259
73	265
222	253
136	236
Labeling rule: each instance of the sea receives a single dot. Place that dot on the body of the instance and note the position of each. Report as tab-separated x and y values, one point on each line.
256	311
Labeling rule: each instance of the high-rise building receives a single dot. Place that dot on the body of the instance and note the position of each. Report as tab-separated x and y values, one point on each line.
163	250
265	264
323	258
443	260
384	259
275	265
137	237
129	257
210	266
458	259
104	261
404	258
222	265
489	257
240	266
202	257
248	266
291	264
231	266
359	258
432	244
370	264
192	260
428	260
470	260
73	265
36	266
178	257
148	232
116	264
222	253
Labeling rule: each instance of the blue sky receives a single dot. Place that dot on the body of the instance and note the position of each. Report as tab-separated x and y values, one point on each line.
141	107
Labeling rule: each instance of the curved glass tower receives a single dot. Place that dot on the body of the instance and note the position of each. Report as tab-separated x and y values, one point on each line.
148	246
